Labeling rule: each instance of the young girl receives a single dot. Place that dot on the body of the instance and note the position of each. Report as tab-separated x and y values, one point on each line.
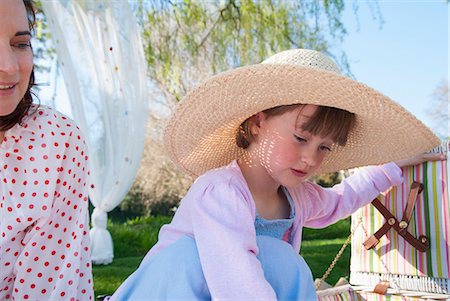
44	228
237	232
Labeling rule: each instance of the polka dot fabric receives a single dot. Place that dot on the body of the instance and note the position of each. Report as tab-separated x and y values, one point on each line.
44	230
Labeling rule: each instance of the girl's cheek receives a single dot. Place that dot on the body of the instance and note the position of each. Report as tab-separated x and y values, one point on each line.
289	152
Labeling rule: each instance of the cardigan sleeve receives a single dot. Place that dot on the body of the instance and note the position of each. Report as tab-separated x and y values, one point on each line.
324	206
223	228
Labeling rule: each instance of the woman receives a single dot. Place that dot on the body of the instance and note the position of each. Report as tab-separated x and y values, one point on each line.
44	238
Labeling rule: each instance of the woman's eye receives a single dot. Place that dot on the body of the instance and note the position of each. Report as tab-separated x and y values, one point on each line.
22	45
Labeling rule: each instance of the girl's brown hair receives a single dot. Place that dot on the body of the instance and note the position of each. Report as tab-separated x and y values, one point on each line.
326	122
8	121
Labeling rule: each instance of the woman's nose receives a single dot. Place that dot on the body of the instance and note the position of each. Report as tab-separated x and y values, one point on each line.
8	59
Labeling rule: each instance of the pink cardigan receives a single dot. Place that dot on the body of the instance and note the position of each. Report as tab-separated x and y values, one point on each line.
219	213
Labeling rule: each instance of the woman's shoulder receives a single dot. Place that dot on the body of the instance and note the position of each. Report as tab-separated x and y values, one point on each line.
42	114
42	118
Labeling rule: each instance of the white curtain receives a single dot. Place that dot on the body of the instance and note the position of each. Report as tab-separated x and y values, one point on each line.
100	53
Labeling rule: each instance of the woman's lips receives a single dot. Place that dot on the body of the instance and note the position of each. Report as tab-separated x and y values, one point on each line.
7	89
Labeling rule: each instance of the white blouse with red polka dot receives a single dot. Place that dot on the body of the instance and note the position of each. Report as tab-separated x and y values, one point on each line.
44	230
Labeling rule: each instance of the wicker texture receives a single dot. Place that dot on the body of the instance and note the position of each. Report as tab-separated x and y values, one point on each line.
201	132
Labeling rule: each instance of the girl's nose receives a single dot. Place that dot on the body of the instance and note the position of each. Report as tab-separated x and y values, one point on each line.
8	60
310	157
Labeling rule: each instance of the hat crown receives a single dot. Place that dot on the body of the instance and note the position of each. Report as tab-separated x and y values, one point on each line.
304	58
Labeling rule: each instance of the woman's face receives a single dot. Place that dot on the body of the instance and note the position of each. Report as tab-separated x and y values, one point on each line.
16	57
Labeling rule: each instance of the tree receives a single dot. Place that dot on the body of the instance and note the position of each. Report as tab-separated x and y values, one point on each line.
43	50
441	109
186	41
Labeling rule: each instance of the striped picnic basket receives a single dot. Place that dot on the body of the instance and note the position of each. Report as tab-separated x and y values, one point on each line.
403	237
353	293
339	293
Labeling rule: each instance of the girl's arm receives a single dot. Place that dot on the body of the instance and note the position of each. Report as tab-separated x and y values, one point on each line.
324	206
223	227
420	159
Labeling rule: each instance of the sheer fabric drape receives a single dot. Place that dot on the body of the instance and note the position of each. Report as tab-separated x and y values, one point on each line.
102	62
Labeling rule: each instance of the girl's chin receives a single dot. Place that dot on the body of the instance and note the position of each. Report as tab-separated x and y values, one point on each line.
293	183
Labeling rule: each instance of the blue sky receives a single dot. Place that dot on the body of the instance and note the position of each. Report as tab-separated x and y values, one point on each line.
407	57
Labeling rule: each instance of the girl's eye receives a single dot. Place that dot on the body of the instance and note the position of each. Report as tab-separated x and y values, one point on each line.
299	138
325	148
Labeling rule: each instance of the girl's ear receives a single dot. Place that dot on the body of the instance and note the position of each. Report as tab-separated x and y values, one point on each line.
255	123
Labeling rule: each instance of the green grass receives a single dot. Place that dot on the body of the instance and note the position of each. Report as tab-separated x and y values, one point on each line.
134	238
320	253
107	278
340	229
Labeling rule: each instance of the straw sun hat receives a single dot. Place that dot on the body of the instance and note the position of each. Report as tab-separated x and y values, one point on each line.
201	132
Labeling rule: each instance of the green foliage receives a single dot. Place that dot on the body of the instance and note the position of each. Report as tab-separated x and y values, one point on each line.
186	41
133	203
136	236
136	203
43	50
341	229
164	207
328	180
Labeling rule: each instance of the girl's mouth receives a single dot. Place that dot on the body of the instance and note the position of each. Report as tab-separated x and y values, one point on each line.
298	173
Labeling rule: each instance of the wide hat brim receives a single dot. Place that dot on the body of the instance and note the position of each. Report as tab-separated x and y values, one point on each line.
201	132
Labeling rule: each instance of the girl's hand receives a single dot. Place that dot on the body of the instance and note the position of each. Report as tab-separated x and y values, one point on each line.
420	159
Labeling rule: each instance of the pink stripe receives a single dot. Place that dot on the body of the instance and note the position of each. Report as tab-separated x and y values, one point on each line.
365	261
422	218
401	204
393	245
419	218
393	238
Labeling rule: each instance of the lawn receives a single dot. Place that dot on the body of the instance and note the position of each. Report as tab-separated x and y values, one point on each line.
133	238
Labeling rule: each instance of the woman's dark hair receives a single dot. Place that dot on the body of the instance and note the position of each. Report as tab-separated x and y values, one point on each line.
8	121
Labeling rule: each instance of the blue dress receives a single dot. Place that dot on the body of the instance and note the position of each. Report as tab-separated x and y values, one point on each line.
175	272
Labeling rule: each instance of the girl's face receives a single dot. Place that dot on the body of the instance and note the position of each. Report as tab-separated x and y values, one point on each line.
16	57
287	153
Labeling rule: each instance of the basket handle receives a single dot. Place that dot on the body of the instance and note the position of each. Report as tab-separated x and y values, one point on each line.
422	243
